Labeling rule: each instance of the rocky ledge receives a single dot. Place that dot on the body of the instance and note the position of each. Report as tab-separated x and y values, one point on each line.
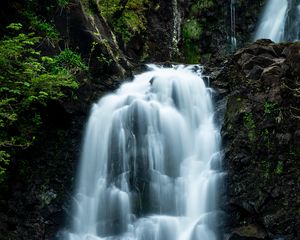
261	138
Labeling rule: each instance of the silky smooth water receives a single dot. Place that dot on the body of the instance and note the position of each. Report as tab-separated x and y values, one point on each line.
272	23
280	21
150	165
233	42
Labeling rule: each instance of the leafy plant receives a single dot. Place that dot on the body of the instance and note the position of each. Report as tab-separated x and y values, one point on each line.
42	26
28	81
62	3
126	17
279	168
270	107
192	29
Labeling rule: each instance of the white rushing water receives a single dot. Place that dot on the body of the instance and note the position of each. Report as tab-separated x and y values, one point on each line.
280	21
233	43
150	165
273	21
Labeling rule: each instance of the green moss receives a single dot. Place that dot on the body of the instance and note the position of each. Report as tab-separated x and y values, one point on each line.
266	138
192	29
250	125
270	107
130	24
127	20
62	3
265	168
191	51
279	168
191	32
200	6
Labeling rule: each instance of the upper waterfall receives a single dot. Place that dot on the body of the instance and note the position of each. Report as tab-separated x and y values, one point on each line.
233	42
280	21
150	164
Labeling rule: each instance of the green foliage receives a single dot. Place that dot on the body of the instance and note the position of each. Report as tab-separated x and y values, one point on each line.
250	125
108	8
130	24
279	168
4	162
266	138
42	26
200	6
67	59
265	168
100	56
29	81
270	107
191	52
269	171
62	3
127	20
192	30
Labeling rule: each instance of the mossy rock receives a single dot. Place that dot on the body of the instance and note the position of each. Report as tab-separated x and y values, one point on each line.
192	29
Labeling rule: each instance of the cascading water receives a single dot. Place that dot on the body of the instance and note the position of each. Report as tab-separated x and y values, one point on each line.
176	27
292	28
280	21
150	165
233	42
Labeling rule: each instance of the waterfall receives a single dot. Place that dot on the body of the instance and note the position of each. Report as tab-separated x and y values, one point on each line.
280	21
176	27
233	42
150	165
292	28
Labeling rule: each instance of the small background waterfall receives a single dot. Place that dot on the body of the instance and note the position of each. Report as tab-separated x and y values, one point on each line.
151	160
280	21
233	43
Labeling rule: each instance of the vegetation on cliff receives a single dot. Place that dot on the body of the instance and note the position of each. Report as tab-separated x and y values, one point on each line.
29	80
127	17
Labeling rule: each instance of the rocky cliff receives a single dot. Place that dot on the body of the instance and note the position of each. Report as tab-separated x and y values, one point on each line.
261	141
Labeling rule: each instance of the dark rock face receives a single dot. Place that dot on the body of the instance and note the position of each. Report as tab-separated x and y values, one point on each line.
261	141
218	25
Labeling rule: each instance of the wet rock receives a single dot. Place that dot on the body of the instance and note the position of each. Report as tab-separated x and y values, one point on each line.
257	61
283	138
271	75
261	140
250	231
255	72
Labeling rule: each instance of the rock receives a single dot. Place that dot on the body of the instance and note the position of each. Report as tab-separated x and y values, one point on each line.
283	138
271	75
255	72
261	138
257	61
250	231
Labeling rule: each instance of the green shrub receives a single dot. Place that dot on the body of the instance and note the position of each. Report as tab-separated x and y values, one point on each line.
131	20
192	29
29	81
191	32
41	26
